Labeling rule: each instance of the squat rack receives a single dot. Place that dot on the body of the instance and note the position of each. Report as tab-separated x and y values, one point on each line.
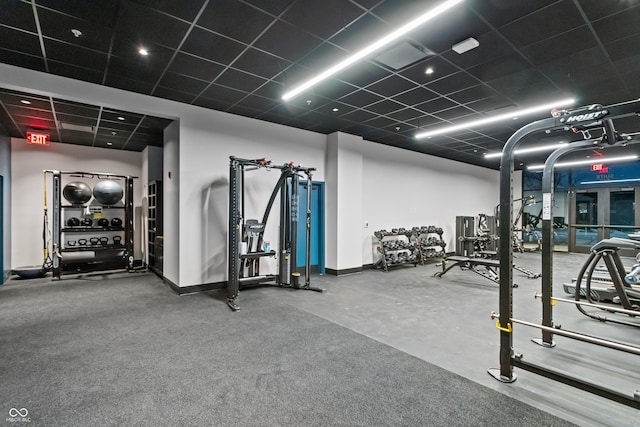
240	227
588	117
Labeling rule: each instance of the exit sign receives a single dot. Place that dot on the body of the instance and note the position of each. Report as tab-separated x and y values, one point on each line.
599	167
38	138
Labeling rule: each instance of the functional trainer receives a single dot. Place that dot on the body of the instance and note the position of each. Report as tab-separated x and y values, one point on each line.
246	236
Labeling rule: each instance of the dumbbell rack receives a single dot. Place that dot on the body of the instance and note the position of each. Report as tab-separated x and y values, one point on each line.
396	248
430	243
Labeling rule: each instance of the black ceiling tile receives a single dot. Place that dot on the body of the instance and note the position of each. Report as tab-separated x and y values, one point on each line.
595	9
360	33
452	83
397	13
453	113
35	123
498	13
174	95
323	56
156	123
415	96
491	46
560	46
358	129
182	9
335	109
417	72
73	55
239	80
271	90
331	88
274	7
13	97
626	48
358	116
517	84
472	94
542	24
322	18
564	68
368	4
58	26
234	20
128	84
78	73
434	105
259	63
211	46
360	98
22	60
181	83
76	138
407	114
499	67
384	107
130	119
105	134
453	26
18	14
24	114
195	67
242	110
126	62
19	41
257	103
6	124
147	23
287	41
380	122
104	12
118	127
391	86
618	26
76	120
223	94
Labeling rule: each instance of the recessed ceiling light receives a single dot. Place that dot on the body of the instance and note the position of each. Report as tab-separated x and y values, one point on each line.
109	143
465	45
143	52
429	70
120	118
76	33
24	101
374	47
335	110
475	150
113	133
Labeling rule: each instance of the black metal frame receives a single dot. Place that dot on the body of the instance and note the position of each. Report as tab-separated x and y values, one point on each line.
112	257
287	188
595	116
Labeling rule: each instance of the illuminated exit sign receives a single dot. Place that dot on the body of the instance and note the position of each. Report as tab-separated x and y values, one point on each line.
38	138
599	167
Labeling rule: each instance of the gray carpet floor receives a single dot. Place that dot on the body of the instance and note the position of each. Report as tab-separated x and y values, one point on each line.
125	349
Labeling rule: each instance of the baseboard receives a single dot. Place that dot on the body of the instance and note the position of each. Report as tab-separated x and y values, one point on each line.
333	272
182	290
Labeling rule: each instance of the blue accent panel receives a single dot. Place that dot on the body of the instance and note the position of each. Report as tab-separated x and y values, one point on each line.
317	225
1	229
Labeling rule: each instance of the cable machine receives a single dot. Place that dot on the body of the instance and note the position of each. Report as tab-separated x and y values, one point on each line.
579	120
246	236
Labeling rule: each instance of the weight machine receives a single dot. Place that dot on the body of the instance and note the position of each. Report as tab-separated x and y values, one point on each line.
578	120
246	236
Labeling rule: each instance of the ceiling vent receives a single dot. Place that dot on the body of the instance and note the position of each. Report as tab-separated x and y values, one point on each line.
402	55
76	128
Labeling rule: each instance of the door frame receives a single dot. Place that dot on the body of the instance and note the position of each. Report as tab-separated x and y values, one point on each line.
604	209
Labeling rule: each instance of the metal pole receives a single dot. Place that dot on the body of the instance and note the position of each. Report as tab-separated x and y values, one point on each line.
295	200
234	235
588	304
57	232
307	265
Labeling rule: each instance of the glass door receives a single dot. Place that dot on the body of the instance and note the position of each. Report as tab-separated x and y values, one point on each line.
602	214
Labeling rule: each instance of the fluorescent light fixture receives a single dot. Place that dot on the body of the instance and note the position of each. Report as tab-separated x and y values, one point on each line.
588	162
528	150
377	45
611	181
465	45
499	117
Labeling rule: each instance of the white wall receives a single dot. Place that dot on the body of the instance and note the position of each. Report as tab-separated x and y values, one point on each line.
171	204
405	189
27	195
5	171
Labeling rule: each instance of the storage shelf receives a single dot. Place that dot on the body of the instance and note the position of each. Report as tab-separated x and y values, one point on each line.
81	229
85	207
86	248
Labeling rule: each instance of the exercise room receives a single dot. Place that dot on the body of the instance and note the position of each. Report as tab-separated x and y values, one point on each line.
303	213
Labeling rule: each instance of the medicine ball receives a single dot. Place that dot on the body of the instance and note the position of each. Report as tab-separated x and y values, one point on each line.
108	192
103	222
77	192
116	222
73	222
87	222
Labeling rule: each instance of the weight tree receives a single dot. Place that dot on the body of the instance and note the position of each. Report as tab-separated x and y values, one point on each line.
578	120
248	234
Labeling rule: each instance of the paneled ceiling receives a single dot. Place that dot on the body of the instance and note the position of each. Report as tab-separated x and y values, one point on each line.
240	56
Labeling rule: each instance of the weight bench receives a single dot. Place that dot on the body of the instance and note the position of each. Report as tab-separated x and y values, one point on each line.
487	268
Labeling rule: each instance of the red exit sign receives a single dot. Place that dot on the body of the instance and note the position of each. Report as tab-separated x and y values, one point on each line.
599	167
38	138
